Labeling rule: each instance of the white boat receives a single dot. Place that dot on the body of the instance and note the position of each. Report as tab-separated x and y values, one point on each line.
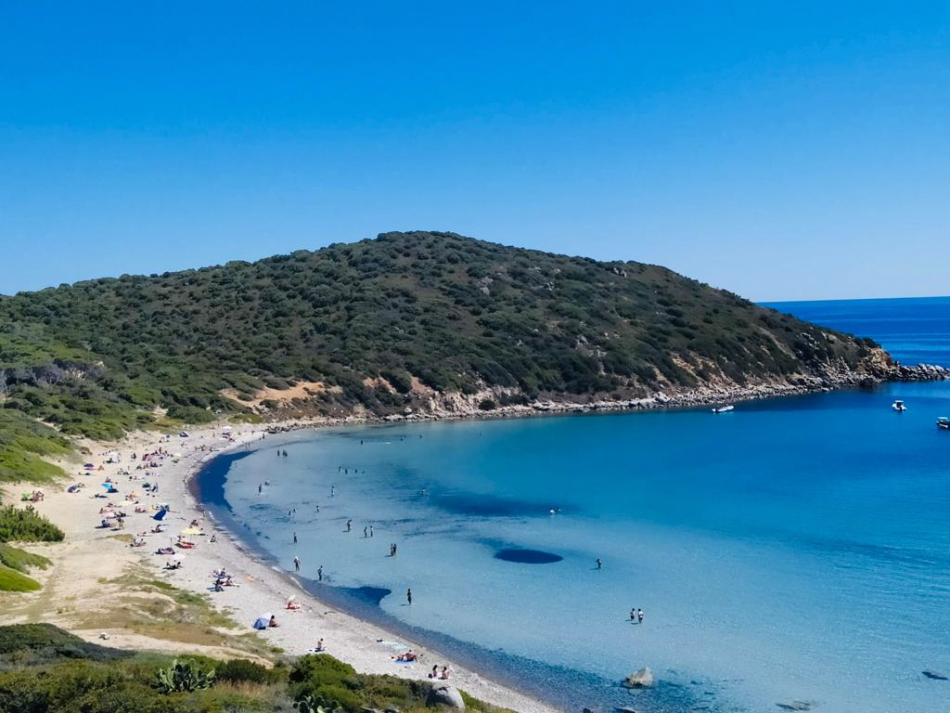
723	409
898	406
944	423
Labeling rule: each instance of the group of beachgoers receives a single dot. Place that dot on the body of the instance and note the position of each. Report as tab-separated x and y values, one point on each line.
442	675
112	516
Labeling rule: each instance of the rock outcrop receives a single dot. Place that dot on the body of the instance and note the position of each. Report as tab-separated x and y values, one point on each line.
443	694
639	679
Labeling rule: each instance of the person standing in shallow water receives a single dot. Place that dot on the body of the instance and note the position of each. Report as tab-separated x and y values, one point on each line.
639	616
349	525
295	538
409	596
296	564
600	565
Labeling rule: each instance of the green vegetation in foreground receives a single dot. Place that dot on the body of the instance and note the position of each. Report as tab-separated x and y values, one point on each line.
13	581
21	560
23	445
26	525
22	525
44	670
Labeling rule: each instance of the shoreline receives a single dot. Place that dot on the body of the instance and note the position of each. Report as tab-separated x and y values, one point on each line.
523	675
91	556
458	407
73	584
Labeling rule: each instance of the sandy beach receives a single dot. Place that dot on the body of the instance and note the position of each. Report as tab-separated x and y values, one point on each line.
87	589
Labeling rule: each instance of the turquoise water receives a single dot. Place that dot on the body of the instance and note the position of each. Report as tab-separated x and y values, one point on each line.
794	550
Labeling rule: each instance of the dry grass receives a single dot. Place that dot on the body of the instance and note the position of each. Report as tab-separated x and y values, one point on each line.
139	604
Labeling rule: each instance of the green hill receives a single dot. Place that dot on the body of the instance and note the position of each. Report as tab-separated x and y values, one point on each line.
402	321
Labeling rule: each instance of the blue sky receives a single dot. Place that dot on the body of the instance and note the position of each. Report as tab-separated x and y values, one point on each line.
783	150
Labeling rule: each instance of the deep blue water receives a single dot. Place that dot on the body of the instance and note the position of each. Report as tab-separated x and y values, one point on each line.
914	330
794	550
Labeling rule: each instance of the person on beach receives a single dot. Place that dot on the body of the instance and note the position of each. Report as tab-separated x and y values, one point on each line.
639	616
365	532
435	672
296	564
409	596
349	525
445	673
273	622
332	490
320	573
370	530
295	538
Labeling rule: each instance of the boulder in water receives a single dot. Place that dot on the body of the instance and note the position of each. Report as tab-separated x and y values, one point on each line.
639	679
445	695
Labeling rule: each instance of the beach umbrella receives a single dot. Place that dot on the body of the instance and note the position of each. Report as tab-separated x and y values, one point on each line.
89	466
159	515
191	531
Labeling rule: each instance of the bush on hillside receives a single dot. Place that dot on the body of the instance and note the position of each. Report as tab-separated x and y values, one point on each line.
26	525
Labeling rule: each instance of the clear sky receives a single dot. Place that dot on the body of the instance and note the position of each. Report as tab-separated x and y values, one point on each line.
785	150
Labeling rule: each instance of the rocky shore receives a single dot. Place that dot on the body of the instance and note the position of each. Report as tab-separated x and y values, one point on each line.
458	406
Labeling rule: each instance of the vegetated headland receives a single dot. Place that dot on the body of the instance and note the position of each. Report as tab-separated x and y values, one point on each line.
416	324
406	326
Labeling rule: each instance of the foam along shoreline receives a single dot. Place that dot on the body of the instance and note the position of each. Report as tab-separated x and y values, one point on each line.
75	582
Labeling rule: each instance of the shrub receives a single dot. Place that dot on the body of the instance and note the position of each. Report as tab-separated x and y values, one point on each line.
242	670
26	525
32	643
486	405
184	675
320	668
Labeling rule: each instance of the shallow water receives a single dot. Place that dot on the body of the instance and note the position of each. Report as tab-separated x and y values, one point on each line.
796	549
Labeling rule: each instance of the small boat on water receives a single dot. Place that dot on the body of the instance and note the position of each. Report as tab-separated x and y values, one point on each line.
899	406
944	423
723	409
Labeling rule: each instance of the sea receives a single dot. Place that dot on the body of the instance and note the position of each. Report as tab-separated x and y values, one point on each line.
790	555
